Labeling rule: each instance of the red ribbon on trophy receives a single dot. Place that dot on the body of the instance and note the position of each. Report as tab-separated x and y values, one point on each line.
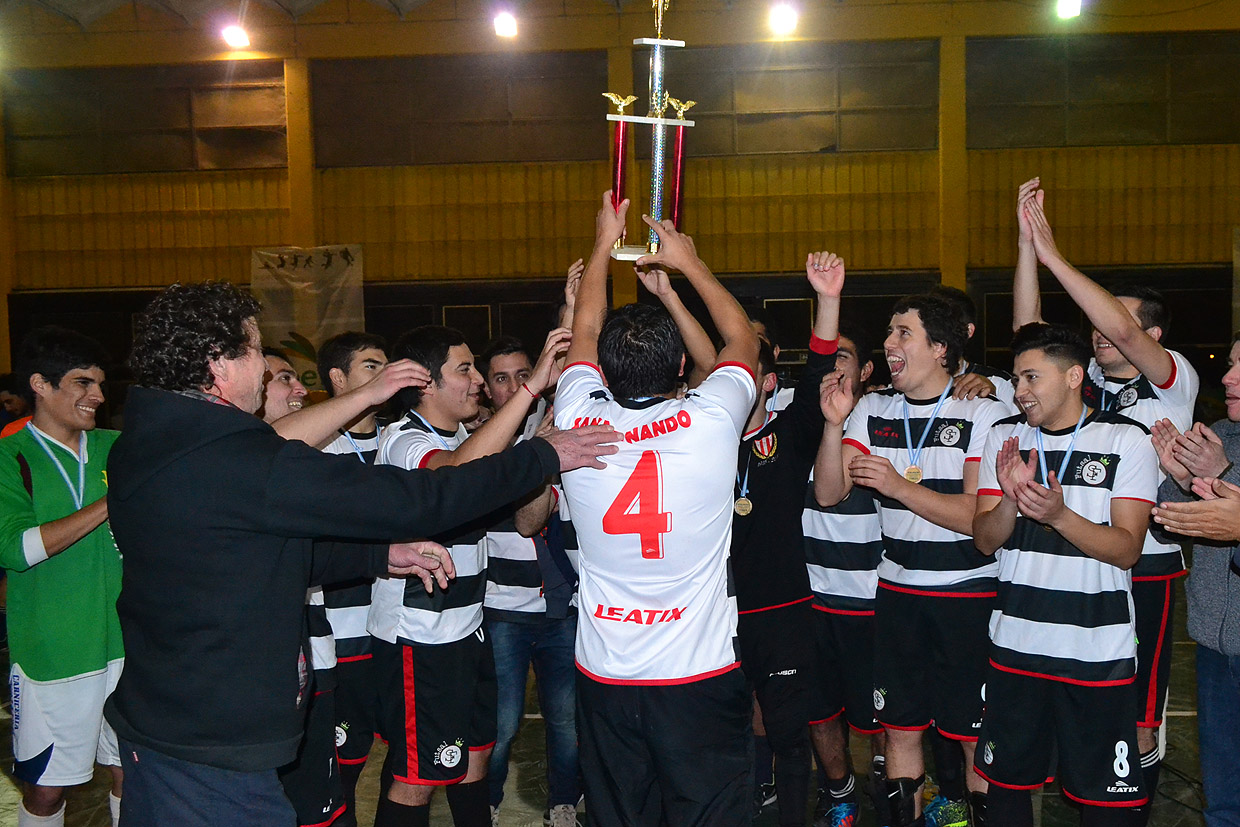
676	201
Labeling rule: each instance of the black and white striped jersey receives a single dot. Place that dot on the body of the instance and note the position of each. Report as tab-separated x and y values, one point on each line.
918	555
400	610
1141	400
1062	614
347	605
843	547
514	576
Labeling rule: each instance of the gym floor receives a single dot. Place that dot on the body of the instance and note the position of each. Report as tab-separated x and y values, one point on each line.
1178	804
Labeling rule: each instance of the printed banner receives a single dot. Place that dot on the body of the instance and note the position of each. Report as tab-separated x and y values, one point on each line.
309	294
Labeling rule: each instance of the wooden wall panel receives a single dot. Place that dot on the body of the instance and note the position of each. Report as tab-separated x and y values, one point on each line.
465	221
145	230
756	214
1111	205
746	214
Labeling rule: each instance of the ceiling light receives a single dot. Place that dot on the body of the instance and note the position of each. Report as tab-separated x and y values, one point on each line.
1067	9
783	19
235	37
505	25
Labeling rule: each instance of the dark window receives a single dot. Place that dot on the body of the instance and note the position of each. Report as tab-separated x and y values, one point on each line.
800	97
148	119
1097	90
460	109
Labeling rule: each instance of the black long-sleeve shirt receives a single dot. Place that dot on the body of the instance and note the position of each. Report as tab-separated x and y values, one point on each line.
768	550
216	517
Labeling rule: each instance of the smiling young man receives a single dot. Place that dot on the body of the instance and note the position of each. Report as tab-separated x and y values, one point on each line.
917	448
283	392
434	667
1065	493
64	576
1132	373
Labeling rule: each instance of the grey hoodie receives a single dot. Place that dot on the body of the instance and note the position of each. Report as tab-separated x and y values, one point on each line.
1213	589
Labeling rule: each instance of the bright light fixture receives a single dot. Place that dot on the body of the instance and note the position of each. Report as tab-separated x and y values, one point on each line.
783	19
505	25
235	37
1067	9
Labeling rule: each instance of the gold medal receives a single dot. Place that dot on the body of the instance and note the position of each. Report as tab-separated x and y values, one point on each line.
743	506
913	474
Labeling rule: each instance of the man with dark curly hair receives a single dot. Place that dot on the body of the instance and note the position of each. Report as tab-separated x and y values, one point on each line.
223	525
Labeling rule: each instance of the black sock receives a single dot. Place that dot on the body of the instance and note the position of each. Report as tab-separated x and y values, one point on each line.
979	806
762	759
792	778
1151	768
842	789
1011	808
391	814
1092	816
470	804
948	766
349	773
902	794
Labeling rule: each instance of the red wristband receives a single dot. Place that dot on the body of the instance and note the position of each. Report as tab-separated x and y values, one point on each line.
823	347
527	390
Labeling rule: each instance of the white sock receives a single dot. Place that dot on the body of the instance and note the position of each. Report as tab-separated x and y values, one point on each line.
114	806
25	819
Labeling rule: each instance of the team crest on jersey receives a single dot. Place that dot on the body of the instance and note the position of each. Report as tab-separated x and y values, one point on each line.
988	753
1128	397
1094	472
880	698
949	433
449	755
765	448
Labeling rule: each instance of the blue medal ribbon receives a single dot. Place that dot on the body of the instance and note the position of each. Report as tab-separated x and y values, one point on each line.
357	449
431	428
915	454
79	492
1063	464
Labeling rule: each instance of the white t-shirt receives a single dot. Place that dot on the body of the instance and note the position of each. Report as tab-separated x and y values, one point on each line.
655	526
1062	614
1144	402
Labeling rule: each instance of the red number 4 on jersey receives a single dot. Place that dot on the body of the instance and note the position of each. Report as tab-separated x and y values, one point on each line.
637	509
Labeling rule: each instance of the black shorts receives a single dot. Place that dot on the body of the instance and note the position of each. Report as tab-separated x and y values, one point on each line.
675	754
1154	604
357	709
436	705
844	670
312	782
1091	729
930	661
777	656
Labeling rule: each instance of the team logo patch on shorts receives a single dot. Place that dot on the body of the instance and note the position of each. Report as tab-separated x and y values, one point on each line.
449	755
988	754
342	735
15	694
880	698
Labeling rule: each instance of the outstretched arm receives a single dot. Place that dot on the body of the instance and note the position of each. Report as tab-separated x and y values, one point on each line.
591	306
740	343
1026	295
1105	312
317	425
497	433
697	343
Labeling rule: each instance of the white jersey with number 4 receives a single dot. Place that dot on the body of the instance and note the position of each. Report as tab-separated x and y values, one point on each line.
655	527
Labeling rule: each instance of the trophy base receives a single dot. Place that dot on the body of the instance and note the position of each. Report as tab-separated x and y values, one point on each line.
631	252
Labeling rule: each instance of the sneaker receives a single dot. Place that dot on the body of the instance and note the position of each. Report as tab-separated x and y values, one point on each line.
495	817
561	815
763	796
843	814
944	813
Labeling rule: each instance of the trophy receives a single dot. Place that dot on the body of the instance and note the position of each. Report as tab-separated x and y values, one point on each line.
660	100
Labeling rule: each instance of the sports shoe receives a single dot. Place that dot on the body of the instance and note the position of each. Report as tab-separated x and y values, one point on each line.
944	813
763	796
842	814
561	815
